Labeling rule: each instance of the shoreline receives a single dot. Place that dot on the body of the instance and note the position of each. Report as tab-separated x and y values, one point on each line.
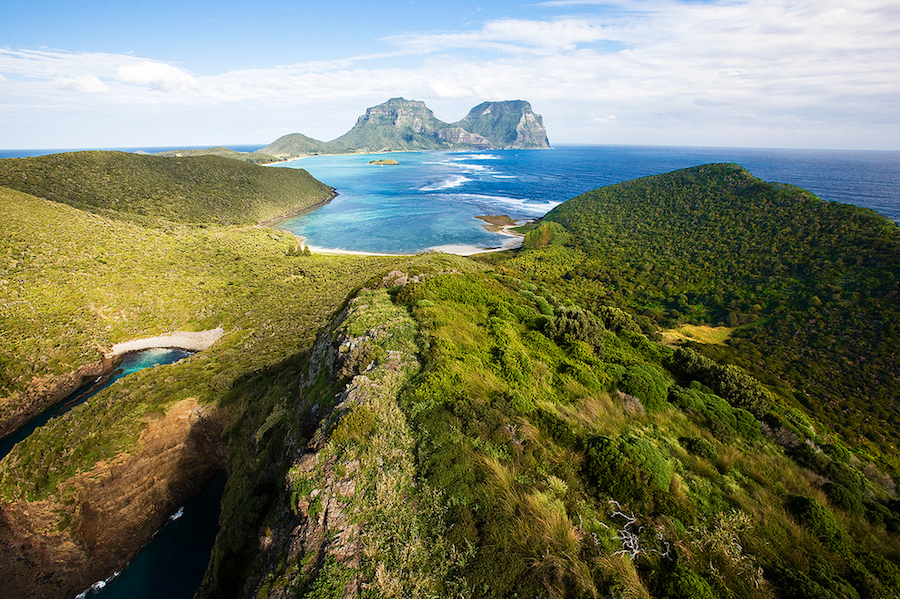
271	221
187	340
514	242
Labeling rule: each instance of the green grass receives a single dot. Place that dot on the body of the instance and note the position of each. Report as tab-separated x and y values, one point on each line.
73	282
156	189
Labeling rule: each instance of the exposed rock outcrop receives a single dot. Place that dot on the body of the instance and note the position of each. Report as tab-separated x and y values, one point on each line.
18	409
404	125
57	548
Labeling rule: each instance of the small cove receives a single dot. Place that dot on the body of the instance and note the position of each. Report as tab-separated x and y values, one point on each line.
131	362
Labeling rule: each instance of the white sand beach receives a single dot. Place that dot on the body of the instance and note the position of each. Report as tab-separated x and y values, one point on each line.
192	341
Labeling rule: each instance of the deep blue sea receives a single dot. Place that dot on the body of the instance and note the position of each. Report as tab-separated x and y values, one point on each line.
432	198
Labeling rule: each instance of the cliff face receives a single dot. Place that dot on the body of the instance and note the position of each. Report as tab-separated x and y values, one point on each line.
409	125
50	549
510	124
18	409
396	124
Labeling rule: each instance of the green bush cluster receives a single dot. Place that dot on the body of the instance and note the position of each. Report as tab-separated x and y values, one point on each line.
728	381
648	384
721	418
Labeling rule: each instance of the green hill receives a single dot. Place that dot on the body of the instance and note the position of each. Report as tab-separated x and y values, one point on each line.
198	189
436	426
251	157
810	286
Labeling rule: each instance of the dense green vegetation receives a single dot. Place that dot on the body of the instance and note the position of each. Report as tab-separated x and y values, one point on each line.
499	427
810	286
592	463
251	157
198	189
72	282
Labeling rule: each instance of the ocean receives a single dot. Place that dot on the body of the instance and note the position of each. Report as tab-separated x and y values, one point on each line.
430	200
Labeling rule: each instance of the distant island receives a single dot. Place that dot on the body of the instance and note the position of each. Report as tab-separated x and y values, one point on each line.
384	162
401	125
408	125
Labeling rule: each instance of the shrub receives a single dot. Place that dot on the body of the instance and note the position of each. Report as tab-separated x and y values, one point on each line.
355	425
700	447
819	519
740	389
575	324
647	384
746	424
683	583
617	320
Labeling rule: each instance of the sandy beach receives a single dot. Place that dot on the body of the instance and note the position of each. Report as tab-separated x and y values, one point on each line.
515	241
192	341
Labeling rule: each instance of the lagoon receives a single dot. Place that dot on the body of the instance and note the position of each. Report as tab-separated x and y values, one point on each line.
431	199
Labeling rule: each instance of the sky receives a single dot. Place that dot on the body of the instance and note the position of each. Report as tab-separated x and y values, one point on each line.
730	73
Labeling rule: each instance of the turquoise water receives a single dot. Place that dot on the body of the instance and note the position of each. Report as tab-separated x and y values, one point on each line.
130	363
432	198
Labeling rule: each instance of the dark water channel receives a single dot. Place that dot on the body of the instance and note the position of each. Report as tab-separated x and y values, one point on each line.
130	363
173	563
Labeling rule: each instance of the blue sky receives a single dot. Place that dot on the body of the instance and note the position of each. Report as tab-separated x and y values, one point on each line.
762	73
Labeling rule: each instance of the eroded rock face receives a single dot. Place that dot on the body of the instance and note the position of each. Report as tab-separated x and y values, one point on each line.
59	548
18	409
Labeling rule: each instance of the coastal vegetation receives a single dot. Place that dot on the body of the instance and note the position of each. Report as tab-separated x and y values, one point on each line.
505	426
251	157
153	189
807	288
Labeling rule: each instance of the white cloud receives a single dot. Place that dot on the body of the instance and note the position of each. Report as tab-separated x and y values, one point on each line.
158	75
514	36
86	84
673	69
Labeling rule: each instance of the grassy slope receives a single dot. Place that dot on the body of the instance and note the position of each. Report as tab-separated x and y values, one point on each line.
73	281
538	464
199	189
251	157
810	285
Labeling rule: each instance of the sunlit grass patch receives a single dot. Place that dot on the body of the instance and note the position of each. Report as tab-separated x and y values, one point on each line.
697	333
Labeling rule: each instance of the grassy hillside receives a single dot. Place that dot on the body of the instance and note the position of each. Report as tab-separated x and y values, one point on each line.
296	144
499	427
540	450
251	157
810	286
199	189
73	282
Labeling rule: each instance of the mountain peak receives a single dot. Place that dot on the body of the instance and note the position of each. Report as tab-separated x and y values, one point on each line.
409	125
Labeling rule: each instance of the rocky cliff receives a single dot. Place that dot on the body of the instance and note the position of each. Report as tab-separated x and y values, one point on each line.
409	125
510	124
57	548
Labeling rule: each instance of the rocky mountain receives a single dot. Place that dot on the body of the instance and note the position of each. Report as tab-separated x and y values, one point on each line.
404	125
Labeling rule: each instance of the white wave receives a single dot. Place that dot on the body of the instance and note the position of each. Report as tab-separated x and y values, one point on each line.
472	167
476	157
448	183
97	586
524	205
177	514
505	177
